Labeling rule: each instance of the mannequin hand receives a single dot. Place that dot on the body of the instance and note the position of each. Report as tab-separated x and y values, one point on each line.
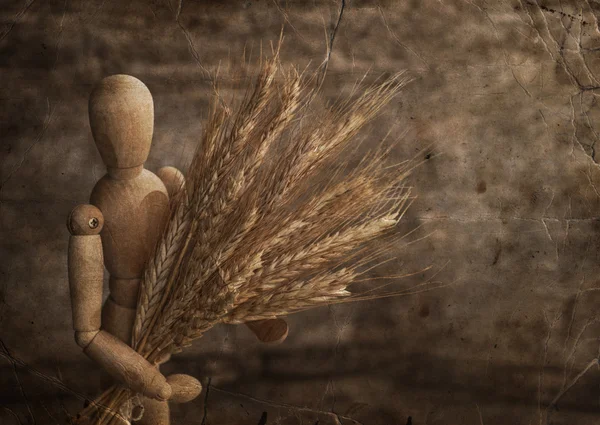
270	331
184	388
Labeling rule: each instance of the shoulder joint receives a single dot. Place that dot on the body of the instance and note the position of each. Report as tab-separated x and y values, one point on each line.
85	219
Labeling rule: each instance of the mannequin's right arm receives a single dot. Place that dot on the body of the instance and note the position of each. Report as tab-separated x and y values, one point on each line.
86	271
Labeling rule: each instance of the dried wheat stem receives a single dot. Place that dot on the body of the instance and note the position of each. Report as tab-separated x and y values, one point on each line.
160	267
256	240
166	290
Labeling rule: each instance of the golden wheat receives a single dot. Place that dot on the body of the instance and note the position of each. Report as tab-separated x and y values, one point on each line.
255	234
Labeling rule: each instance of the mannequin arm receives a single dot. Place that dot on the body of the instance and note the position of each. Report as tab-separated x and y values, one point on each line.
172	178
268	331
86	271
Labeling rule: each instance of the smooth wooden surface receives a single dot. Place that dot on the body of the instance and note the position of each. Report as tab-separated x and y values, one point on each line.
121	113
134	211
86	271
185	388
124	291
127	366
172	178
118	320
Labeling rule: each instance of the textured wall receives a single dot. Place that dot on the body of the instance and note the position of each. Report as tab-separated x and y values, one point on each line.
508	92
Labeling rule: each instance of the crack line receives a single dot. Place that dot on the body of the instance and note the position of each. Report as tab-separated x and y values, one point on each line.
397	40
50	379
572	383
17	19
325	63
287	406
13	413
206	402
16	374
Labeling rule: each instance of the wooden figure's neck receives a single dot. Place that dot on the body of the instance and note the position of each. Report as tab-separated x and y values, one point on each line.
125	173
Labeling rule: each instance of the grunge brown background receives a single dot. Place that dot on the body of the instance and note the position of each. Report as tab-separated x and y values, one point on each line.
506	90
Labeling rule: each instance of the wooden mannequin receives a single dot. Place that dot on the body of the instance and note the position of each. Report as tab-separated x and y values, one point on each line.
118	230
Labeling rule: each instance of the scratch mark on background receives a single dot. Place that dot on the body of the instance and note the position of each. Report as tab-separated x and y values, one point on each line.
17	19
397	40
325	63
18	379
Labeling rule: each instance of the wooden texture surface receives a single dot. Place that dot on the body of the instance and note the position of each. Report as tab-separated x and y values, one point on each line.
121	115
134	215
86	275
125	365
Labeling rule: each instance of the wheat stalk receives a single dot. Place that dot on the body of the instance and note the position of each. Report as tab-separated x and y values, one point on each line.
255	234
160	265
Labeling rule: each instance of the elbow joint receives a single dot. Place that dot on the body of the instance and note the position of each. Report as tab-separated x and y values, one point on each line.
84	339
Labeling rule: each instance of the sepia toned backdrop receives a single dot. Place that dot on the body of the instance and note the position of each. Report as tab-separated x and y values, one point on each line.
509	203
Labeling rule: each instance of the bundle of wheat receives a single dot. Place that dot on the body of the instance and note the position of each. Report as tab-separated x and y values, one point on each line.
247	237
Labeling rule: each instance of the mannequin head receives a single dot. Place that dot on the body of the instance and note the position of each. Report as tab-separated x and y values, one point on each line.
122	121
